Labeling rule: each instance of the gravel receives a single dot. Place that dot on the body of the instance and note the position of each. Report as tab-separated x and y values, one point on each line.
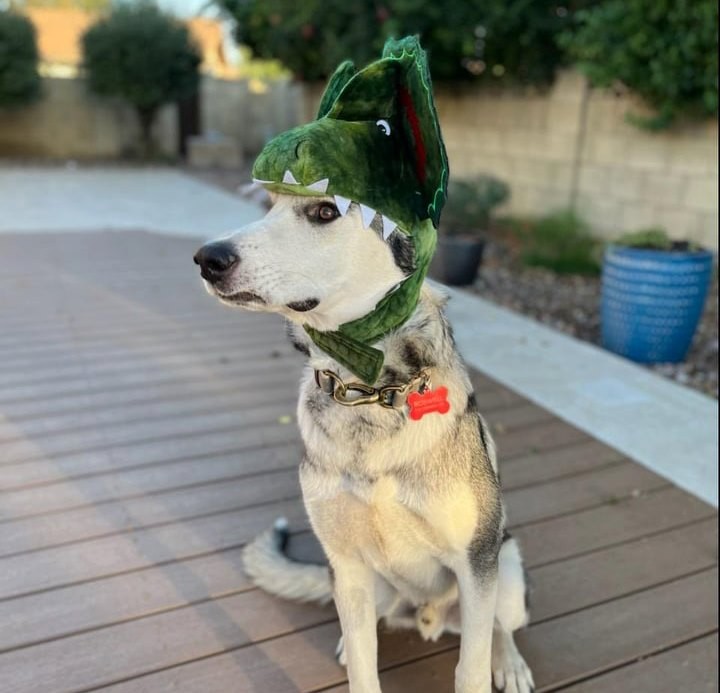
571	304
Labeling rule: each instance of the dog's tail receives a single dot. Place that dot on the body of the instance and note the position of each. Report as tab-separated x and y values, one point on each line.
269	568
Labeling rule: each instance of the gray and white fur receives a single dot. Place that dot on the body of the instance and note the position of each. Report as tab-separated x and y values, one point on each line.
409	513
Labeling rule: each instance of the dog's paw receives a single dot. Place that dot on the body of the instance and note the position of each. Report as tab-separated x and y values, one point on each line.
430	622
340	655
510	672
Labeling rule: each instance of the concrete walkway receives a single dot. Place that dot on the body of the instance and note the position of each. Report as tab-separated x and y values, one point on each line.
666	427
88	199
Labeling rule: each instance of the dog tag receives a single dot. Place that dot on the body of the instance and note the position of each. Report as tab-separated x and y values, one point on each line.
428	402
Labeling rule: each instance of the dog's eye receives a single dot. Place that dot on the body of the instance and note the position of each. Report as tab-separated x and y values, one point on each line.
326	212
384	127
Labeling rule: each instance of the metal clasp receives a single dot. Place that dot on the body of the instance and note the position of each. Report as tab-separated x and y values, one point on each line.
364	394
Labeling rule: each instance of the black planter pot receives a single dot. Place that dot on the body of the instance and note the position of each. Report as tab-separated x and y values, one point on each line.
457	259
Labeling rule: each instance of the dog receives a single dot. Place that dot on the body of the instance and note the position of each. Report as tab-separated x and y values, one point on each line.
407	506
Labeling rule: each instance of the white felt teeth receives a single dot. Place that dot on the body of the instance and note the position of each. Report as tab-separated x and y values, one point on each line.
388	227
368	214
320	185
343	204
289	178
259	181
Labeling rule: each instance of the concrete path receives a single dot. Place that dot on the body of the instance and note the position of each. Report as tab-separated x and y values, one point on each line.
88	199
669	428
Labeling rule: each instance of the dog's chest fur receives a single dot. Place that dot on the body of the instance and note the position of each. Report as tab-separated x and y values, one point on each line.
398	494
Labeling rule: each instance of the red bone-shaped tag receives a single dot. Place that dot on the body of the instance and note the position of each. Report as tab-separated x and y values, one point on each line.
428	402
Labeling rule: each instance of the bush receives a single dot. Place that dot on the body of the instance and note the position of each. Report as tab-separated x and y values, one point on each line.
654	239
19	78
489	40
143	56
470	203
560	242
650	239
664	50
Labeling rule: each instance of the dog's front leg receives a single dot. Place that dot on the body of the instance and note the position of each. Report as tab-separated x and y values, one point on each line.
354	592
478	593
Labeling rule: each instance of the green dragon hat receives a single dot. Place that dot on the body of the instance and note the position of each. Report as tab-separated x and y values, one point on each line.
376	142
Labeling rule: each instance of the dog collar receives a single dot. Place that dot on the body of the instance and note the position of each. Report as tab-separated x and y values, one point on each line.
417	394
357	394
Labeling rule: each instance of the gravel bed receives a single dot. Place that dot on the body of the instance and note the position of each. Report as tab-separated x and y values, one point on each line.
571	304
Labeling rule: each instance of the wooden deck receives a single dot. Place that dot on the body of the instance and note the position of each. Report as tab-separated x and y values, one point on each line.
146	433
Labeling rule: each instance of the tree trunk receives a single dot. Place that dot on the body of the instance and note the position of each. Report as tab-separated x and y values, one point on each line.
147	118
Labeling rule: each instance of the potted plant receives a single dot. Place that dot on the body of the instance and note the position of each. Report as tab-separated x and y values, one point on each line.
653	293
465	218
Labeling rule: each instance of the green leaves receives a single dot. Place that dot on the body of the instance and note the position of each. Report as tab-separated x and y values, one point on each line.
19	79
470	203
482	40
664	50
141	55
561	241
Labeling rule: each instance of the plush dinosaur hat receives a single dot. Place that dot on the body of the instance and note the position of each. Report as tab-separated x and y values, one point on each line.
376	142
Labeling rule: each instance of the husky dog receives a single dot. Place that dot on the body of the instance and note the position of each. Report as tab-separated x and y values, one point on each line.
408	512
399	477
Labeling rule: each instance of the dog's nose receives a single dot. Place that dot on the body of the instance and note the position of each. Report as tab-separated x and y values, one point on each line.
216	260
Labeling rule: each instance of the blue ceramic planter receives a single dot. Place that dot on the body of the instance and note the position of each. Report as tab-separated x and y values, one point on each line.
652	302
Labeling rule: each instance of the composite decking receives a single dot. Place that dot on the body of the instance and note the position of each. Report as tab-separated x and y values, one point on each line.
146	433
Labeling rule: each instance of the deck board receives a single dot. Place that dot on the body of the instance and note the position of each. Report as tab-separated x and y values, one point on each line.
146	433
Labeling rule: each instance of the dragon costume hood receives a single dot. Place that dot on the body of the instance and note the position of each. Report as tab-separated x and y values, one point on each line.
376	142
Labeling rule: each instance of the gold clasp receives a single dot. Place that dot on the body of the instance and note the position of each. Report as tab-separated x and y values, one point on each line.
364	394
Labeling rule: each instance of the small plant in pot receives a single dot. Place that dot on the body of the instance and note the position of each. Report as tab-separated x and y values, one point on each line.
465	219
653	294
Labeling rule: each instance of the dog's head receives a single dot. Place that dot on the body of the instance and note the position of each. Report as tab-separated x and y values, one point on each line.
356	194
308	262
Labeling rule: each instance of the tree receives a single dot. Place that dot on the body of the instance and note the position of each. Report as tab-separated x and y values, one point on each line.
663	50
143	56
486	40
19	78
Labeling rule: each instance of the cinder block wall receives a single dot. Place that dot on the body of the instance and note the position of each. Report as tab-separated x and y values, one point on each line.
556	150
250	112
69	122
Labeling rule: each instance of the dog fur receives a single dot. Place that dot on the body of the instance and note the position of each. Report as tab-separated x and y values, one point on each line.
409	513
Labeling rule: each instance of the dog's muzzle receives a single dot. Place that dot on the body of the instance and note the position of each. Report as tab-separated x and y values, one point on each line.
216	260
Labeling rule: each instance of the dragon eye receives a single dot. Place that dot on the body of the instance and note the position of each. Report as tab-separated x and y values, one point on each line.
384	126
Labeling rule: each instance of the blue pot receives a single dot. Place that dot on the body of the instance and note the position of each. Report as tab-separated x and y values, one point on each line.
652	301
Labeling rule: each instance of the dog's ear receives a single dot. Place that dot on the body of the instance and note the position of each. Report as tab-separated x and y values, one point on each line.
398	88
339	79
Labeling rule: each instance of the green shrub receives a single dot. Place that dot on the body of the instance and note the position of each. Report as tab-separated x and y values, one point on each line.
654	239
664	50
143	56
19	78
470	203
487	40
560	242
